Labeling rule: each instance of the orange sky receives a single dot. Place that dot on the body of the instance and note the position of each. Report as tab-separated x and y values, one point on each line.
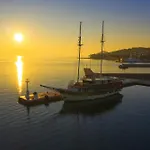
51	30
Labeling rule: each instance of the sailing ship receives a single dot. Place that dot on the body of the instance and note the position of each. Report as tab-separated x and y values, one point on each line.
89	89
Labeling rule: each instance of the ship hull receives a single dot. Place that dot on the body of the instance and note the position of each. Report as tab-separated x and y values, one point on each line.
76	98
92	106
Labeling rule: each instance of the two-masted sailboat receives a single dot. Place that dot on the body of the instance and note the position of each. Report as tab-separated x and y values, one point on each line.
89	89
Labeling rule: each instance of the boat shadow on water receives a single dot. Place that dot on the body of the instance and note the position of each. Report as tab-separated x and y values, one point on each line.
92	107
28	108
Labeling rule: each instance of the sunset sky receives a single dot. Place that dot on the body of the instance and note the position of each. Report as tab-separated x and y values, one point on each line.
50	27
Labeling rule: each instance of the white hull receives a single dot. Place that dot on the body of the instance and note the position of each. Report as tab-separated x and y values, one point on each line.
92	106
84	98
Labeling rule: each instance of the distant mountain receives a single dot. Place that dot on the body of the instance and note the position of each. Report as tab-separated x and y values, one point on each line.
135	52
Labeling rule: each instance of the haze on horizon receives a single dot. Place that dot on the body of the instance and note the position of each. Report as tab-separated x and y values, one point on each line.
51	27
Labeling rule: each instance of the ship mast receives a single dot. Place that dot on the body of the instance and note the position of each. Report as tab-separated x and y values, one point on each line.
102	47
79	44
27	89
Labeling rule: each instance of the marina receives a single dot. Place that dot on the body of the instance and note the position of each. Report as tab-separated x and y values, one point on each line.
118	118
89	88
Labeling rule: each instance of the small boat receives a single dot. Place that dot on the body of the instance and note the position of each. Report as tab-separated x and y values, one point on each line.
86	90
38	98
132	62
123	66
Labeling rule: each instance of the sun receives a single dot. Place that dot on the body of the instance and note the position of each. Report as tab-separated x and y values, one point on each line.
18	37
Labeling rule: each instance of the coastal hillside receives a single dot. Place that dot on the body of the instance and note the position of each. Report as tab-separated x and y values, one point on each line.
141	53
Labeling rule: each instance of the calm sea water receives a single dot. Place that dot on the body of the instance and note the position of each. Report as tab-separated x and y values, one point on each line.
123	125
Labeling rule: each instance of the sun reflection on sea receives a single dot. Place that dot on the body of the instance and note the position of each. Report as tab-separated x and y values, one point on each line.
19	65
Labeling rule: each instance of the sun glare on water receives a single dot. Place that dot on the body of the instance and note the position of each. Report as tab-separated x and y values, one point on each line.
18	37
19	65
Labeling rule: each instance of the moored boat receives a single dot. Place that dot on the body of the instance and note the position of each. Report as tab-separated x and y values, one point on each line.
88	89
38	98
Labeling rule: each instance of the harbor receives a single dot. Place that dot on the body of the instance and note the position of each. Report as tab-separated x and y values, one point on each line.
93	86
54	96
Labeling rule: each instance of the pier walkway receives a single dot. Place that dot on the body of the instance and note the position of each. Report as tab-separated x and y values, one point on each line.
141	76
132	82
130	79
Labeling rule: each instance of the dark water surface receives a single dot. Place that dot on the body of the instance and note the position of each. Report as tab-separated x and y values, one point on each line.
122	125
